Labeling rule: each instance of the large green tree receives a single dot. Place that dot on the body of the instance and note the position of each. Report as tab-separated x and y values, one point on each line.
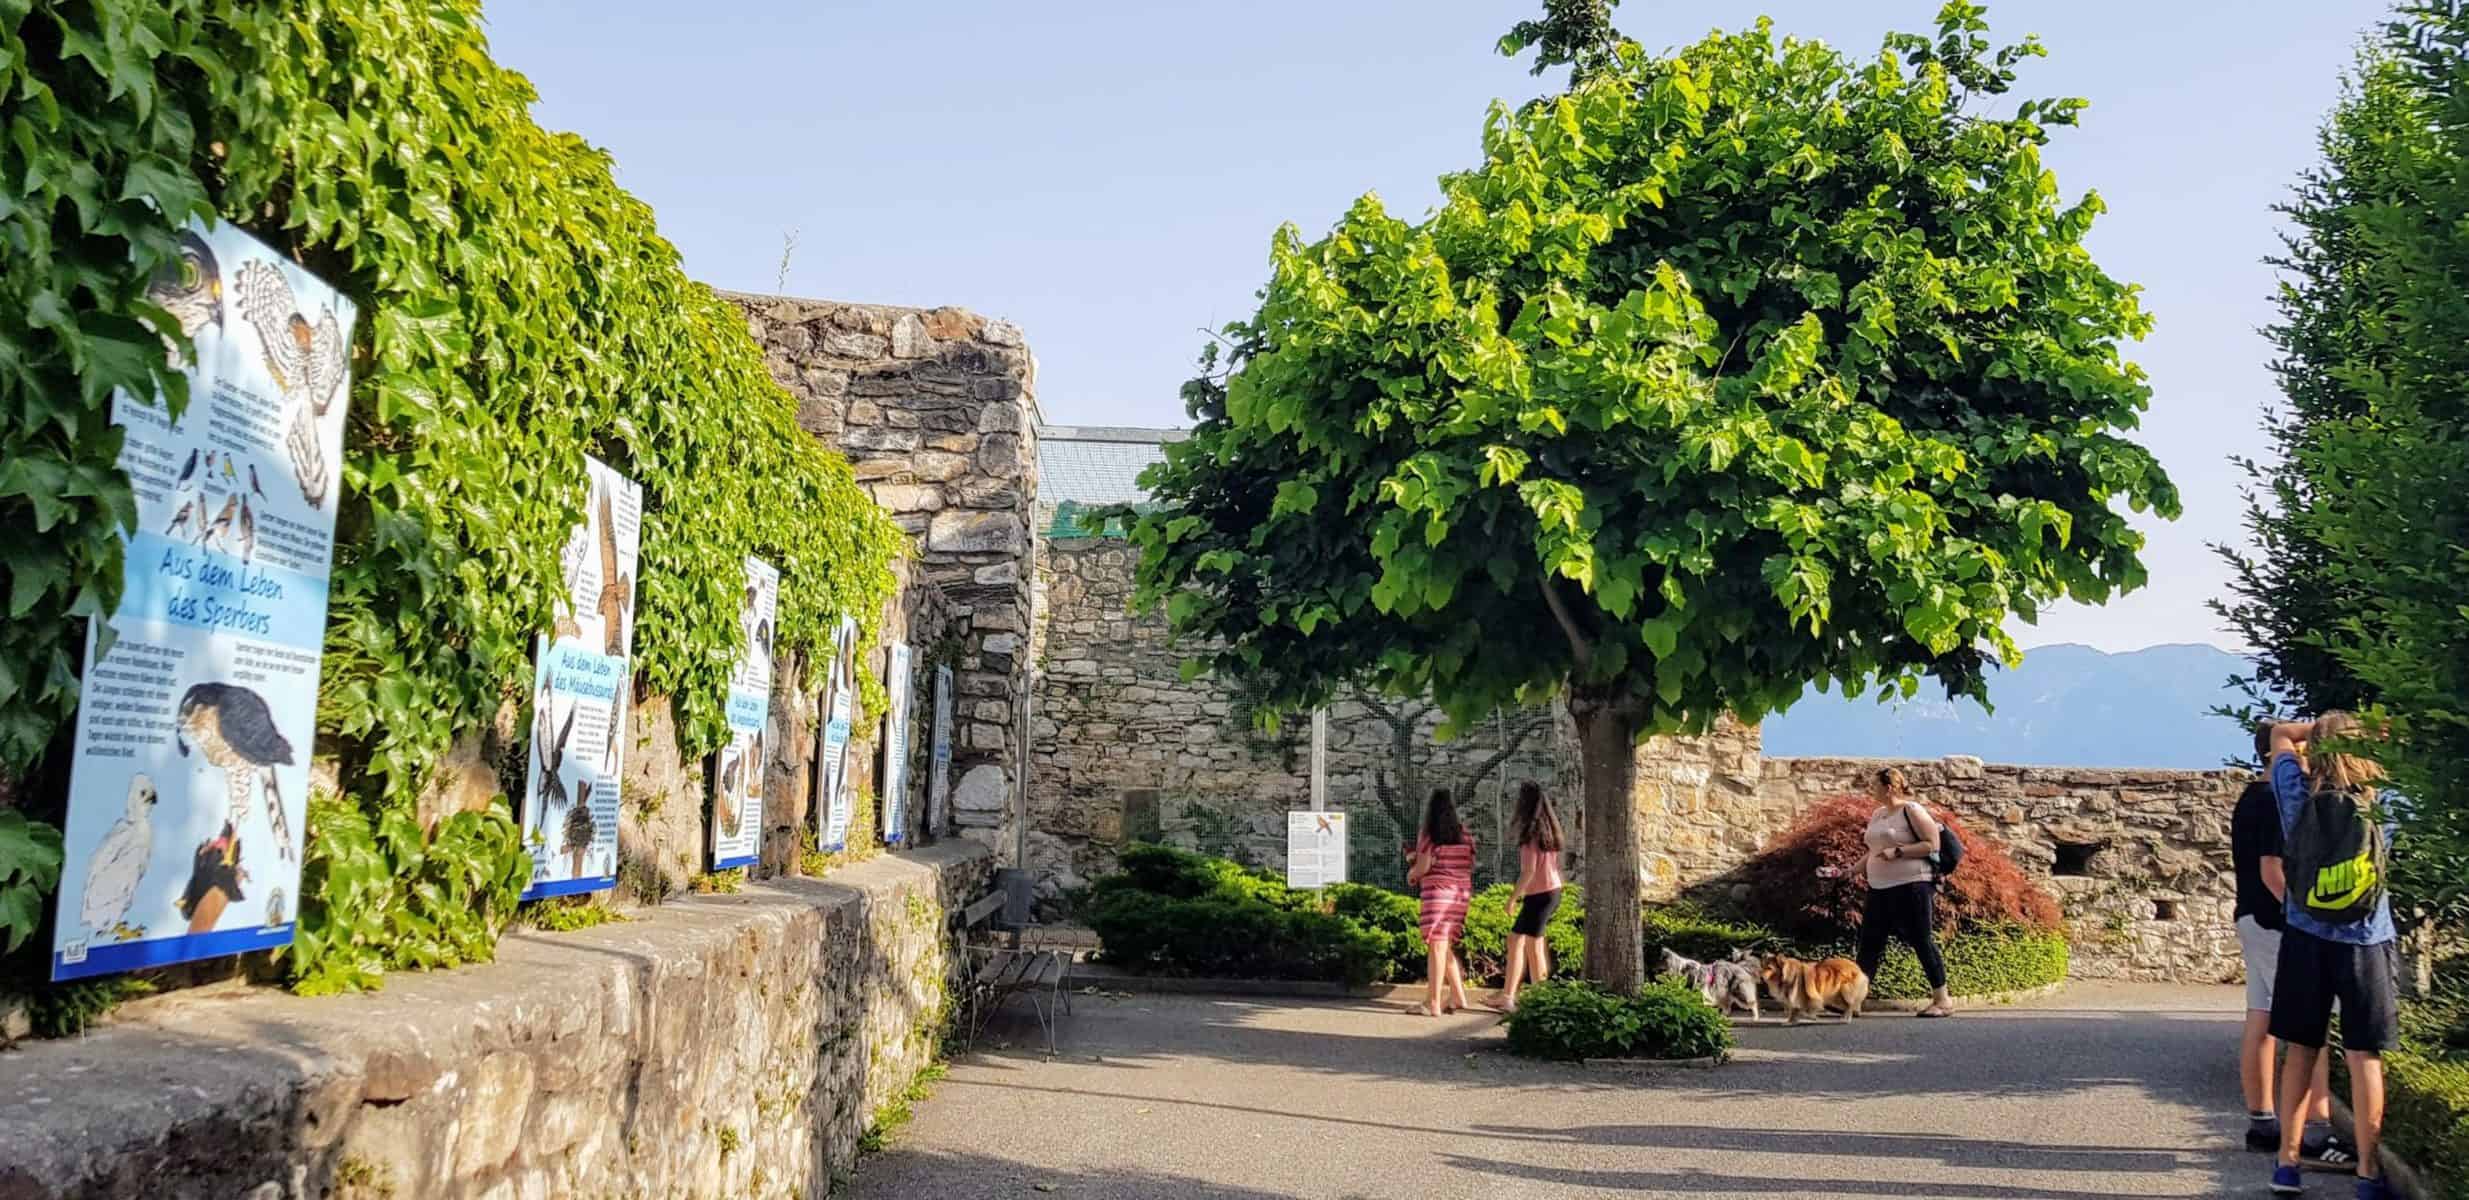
1727	372
2378	474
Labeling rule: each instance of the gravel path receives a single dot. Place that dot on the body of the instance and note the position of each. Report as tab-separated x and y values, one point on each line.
2102	1090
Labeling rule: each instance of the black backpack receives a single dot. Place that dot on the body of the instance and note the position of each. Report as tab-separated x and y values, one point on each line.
1949	847
2337	859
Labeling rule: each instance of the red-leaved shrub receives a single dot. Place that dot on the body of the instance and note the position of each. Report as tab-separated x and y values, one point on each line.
1787	890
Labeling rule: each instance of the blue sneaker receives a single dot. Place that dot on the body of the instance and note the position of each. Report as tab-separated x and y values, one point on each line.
2286	1181
2375	1189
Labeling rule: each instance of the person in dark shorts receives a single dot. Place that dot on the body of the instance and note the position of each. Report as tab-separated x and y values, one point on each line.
2326	964
2262	884
1537	894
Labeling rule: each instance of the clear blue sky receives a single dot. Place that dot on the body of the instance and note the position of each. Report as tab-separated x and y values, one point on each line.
1107	173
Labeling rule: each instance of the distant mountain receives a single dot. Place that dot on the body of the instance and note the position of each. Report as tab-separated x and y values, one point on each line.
2065	706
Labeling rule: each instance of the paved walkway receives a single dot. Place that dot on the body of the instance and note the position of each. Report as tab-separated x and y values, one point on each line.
2103	1090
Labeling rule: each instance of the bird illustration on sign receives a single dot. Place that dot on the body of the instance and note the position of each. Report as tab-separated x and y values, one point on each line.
307	361
215	876
190	288
119	861
234	729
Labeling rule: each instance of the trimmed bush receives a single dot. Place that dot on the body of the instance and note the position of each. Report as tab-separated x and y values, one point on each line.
1486	940
2426	1118
1171	912
1787	891
1979	962
1575	1021
1396	918
1693	933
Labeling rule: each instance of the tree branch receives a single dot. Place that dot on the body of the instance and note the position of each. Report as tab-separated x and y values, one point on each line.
1520	734
1581	648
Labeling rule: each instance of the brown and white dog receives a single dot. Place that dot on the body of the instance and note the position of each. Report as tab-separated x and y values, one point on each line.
1814	987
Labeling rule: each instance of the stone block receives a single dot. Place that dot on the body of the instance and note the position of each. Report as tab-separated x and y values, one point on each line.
938	466
1001	417
954	443
1003	456
999	574
908	497
1000	643
953	324
491	1116
982	789
909	337
880	439
977	533
840	343
982	736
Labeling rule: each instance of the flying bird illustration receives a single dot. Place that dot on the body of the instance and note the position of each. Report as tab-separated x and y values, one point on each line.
180	520
549	743
616	587
119	860
579	827
253	486
215	876
219	529
308	361
235	730
190	288
186	471
248	530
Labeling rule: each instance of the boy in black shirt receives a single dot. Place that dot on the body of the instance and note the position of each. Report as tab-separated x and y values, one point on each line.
2255	850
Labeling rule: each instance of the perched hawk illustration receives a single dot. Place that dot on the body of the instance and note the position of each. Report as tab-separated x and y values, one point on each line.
235	730
119	860
308	361
190	288
215	876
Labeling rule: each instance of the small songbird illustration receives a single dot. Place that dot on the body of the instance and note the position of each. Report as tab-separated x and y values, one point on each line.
276	911
579	827
307	360
261	492
220	528
248	530
229	475
234	729
180	520
189	470
119	860
215	876
190	288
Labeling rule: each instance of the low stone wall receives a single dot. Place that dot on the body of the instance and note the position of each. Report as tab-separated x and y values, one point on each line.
2138	859
732	1045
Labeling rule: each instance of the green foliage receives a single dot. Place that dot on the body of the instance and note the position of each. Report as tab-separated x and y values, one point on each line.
382	894
1666	1019
2426	1118
1763	364
1170	912
2355	593
565	914
520	311
1398	919
1693	933
29	868
69	1009
726	882
1486	937
1577	34
1979	962
864	840
897	1112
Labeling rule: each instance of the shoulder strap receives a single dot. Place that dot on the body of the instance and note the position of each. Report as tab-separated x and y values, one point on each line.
1908	806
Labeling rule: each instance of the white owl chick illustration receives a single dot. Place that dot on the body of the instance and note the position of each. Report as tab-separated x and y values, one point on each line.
119	860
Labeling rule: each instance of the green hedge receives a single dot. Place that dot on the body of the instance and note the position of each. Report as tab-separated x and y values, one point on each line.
1978	963
1170	912
1486	937
520	311
1692	933
2426	1118
1667	1019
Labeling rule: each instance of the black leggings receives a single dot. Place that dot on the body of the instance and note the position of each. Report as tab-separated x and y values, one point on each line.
1907	911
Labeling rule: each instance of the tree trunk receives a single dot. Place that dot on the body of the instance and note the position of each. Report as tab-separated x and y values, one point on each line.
1615	941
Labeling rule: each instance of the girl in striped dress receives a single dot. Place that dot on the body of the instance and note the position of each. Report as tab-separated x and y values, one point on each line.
1444	865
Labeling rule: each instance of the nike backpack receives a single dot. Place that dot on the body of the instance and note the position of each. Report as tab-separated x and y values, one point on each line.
2336	859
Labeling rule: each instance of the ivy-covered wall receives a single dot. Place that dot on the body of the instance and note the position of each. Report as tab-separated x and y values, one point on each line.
520	312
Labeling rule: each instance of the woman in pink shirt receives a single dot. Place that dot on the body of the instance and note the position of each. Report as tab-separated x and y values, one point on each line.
1538	891
1444	867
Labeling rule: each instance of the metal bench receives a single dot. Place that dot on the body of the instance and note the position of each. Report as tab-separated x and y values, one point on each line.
1015	964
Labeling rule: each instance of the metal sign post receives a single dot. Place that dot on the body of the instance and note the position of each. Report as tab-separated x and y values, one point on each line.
1320	760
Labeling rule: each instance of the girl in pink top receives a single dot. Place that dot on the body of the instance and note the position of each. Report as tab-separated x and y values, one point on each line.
1538	891
1444	866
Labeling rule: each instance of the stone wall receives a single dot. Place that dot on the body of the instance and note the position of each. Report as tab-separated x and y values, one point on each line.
936	410
2138	859
1125	749
719	1046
